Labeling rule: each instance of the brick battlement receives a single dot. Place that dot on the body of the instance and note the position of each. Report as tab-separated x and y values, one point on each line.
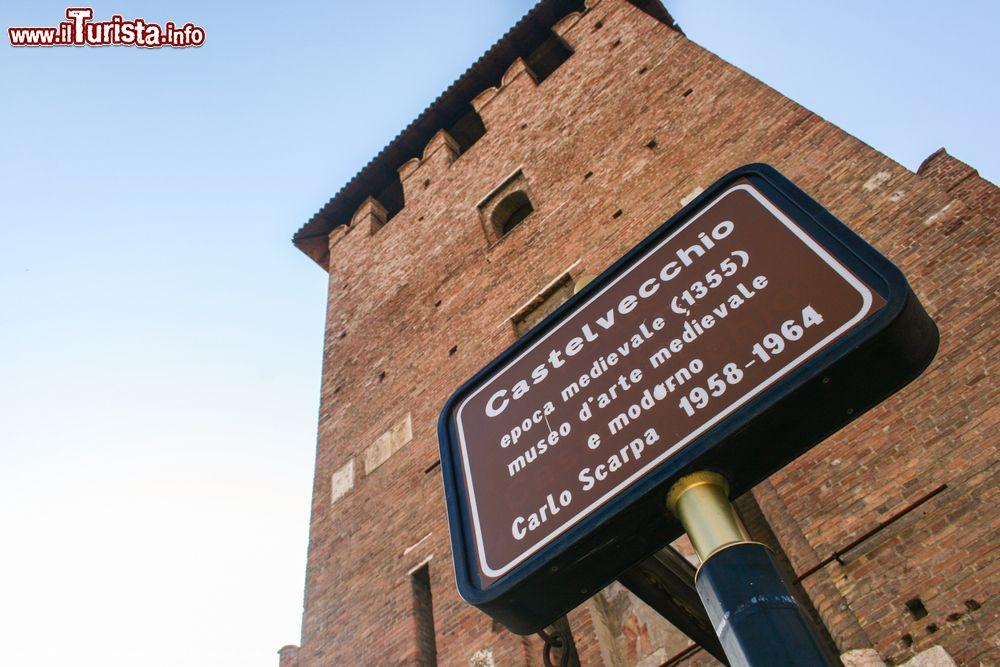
530	39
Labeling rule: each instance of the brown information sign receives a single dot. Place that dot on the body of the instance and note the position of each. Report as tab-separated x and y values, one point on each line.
730	302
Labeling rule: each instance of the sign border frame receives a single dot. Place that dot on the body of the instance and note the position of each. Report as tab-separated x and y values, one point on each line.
829	233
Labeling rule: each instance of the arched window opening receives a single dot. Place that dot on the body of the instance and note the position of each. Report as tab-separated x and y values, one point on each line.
511	212
507	206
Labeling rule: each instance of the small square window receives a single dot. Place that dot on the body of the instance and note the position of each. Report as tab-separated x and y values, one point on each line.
506	207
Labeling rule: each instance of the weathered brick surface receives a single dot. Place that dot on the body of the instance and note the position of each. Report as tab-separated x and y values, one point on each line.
288	656
401	298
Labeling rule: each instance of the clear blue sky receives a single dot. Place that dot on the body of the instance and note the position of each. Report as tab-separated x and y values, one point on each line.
160	338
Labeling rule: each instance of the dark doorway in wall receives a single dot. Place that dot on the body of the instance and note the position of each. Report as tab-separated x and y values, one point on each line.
423	614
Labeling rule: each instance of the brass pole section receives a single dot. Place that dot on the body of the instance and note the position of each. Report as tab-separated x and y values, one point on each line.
751	607
701	502
582	282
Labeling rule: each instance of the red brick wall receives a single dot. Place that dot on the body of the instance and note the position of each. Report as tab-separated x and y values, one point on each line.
400	299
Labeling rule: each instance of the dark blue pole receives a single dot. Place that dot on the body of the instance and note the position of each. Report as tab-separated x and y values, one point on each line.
750	606
753	612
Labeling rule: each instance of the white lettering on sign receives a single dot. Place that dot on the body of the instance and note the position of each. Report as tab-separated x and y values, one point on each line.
591	331
728	303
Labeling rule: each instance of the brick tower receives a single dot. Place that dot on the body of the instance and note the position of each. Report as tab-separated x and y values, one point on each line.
580	131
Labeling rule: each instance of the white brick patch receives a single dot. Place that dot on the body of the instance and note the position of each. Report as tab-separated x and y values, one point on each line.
482	658
689	197
935	656
341	481
388	444
934	218
876	181
862	657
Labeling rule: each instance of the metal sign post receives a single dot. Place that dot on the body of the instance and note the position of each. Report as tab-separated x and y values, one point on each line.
751	607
